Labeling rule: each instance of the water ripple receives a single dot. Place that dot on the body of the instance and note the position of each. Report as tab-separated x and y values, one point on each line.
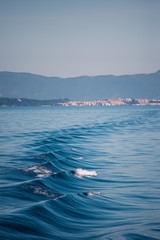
87	178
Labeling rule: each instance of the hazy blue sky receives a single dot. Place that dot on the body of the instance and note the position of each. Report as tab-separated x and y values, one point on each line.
80	37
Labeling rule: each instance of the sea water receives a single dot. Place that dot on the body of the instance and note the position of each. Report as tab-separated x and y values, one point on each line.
80	173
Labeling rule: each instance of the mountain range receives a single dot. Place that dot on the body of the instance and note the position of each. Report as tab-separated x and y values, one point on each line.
27	85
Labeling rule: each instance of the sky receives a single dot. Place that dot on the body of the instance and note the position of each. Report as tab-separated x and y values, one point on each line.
68	38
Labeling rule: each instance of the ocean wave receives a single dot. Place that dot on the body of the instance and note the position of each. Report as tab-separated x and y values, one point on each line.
93	179
91	194
38	171
42	191
79	172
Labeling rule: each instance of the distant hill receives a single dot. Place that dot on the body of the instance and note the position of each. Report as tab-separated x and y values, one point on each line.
27	85
30	102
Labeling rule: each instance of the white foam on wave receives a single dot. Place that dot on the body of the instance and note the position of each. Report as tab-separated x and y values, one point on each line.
79	158
79	172
42	191
91	194
40	171
74	149
45	192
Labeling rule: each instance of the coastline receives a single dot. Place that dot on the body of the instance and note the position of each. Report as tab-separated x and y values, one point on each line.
13	102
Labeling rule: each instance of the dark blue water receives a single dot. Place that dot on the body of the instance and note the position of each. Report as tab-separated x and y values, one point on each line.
80	173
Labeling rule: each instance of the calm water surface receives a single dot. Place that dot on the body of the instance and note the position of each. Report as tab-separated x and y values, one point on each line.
80	173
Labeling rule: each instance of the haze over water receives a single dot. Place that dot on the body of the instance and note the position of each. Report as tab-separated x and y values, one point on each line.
80	173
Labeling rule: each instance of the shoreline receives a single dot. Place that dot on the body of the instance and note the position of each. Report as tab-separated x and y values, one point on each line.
14	102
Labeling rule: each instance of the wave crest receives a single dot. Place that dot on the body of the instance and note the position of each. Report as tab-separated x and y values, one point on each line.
79	172
38	170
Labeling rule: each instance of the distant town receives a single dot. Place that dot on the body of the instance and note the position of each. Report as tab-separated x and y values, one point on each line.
12	102
112	102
